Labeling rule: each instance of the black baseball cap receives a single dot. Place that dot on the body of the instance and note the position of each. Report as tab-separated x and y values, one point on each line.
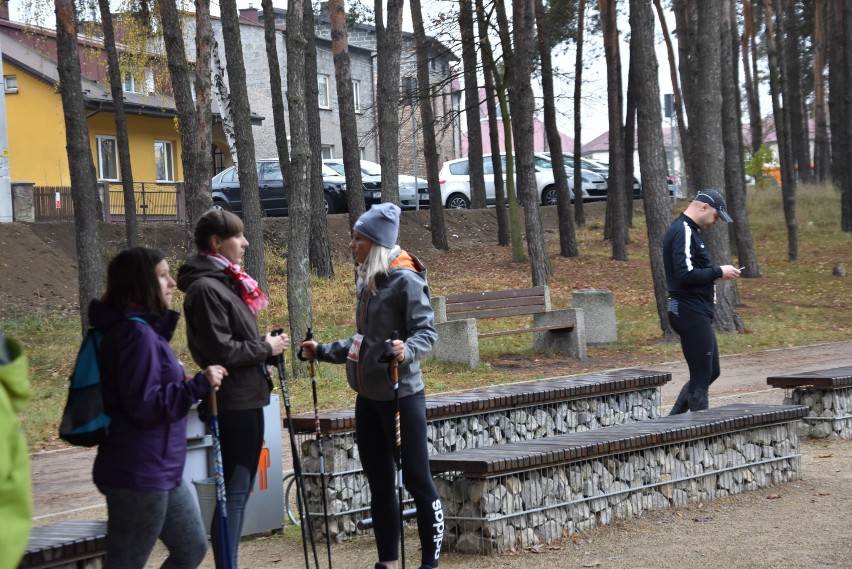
715	200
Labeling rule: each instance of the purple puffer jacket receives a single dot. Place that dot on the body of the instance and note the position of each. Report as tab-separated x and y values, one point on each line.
147	396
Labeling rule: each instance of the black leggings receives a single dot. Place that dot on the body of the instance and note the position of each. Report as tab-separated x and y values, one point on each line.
374	428
242	441
698	342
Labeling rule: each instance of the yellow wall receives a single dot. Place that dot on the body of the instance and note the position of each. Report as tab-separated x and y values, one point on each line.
36	131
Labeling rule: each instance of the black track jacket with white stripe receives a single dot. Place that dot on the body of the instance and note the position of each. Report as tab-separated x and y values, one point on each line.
690	272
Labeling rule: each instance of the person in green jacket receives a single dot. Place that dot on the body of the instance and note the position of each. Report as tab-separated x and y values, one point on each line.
16	499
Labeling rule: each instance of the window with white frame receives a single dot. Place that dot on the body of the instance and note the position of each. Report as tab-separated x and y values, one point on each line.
327	152
324	91
134	84
107	158
164	161
356	95
10	83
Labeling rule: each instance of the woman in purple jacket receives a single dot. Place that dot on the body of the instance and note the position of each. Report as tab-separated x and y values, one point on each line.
139	466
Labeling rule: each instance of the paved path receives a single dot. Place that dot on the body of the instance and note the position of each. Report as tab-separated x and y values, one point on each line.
62	479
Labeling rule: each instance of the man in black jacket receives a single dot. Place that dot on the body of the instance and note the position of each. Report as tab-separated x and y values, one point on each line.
690	278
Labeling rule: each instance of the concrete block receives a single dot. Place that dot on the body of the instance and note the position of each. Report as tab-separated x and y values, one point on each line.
457	342
599	308
571	343
23	204
439	307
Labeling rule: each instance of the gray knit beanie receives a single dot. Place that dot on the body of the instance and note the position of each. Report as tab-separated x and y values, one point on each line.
380	224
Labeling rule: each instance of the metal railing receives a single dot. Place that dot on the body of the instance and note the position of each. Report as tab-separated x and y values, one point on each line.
155	202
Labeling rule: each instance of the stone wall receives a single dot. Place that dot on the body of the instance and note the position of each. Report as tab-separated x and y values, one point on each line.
522	509
348	493
830	415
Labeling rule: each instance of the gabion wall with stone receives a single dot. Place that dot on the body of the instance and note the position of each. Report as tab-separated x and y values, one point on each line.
348	494
830	415
522	509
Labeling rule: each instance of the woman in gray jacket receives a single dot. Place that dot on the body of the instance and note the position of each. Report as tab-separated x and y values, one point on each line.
392	295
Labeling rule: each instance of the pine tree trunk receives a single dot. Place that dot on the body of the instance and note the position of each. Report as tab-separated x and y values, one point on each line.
298	275
490	73
749	46
427	118
320	249
346	112
822	158
615	206
84	188
567	237
246	167
732	140
389	52
652	154
279	119
131	229
471	102
523	106
785	151
199	199
579	211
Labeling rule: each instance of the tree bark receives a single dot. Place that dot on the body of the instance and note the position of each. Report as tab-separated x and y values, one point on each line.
846	188
279	119
506	78
200	200
838	86
629	143
523	106
346	110
427	119
246	167
793	98
822	157
186	109
652	154
752	81
389	52
706	130
298	273
615	207
567	237
320	249
131	229
732	141
84	188
685	17
471	102
579	208
490	74
776	87
223	97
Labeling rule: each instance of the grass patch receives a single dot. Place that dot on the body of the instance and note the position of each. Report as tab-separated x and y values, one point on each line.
793	303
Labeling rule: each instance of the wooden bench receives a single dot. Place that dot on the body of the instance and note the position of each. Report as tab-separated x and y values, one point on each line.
828	395
481	417
521	494
561	331
73	544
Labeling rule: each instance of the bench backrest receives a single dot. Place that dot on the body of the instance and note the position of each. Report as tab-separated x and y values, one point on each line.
498	303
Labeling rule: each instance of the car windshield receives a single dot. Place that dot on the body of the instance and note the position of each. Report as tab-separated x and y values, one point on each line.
328	171
370	168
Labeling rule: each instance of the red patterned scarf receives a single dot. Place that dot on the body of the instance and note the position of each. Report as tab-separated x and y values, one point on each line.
249	291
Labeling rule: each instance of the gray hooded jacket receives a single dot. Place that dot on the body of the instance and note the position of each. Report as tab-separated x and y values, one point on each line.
401	303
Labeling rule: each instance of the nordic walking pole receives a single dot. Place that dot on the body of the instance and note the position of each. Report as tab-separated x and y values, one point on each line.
301	496
224	534
389	357
318	431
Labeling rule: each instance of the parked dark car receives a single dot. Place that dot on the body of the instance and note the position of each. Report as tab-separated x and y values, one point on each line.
225	188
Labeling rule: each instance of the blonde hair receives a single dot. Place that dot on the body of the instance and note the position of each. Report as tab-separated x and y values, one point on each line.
377	263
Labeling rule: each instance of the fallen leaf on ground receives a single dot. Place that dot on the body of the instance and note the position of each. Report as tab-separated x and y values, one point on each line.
774	497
